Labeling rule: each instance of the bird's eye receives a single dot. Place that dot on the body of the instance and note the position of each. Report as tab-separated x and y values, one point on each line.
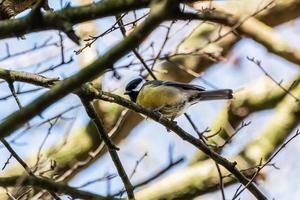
133	84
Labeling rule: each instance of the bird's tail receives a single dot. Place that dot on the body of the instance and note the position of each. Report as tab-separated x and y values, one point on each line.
212	95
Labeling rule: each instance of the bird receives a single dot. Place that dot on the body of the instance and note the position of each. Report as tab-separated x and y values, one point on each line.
170	99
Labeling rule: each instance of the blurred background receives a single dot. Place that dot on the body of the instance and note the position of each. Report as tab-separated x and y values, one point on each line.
64	135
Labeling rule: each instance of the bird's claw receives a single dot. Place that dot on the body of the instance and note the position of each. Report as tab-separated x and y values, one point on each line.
157	111
173	122
160	115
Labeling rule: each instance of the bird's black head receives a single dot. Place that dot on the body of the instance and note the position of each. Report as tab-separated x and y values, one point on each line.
133	87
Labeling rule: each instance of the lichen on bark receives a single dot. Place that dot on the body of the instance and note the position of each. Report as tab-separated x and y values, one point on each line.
10	8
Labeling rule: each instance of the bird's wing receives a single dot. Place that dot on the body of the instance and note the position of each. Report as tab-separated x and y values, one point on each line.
183	86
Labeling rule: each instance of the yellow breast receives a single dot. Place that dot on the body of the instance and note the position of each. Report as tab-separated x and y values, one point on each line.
153	97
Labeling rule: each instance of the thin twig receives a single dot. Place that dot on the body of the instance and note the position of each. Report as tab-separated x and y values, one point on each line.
200	134
104	178
136	53
7	162
243	125
156	175
166	38
221	181
24	165
137	163
14	94
258	64
261	166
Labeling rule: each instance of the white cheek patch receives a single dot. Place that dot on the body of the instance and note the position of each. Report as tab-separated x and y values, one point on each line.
139	86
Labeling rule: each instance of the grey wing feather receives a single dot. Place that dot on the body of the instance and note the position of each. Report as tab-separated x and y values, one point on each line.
183	86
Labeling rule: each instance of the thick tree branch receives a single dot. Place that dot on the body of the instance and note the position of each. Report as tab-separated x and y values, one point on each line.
256	30
26	77
64	19
24	165
231	167
268	19
10	8
191	182
185	136
17	119
112	149
196	63
202	36
49	185
242	100
201	177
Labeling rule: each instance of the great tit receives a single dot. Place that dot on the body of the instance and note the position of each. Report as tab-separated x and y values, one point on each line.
171	99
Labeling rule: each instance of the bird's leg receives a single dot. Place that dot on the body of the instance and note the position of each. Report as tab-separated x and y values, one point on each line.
157	111
173	121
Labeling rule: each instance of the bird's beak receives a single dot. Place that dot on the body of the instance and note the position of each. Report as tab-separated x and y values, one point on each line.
126	92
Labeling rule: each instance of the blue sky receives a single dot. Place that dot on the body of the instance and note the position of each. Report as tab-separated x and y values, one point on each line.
149	136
